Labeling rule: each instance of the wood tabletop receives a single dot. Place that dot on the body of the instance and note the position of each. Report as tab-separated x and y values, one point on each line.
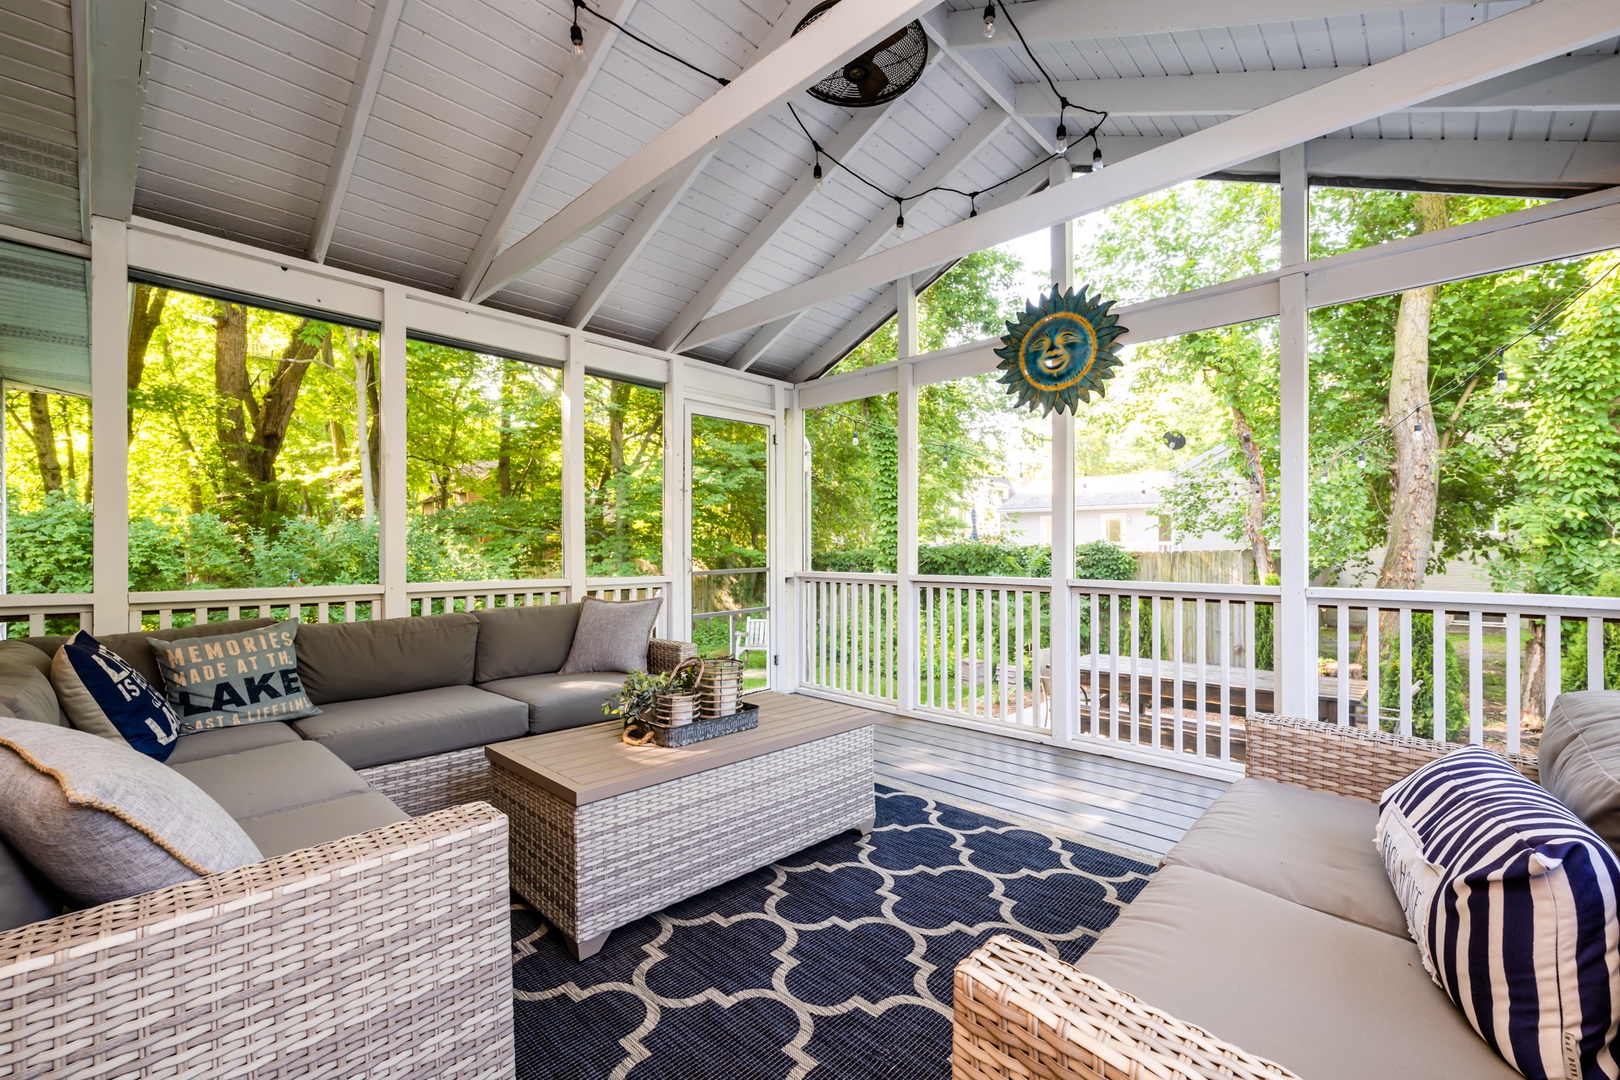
587	764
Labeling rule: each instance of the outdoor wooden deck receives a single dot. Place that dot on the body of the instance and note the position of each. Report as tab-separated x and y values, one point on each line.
1121	802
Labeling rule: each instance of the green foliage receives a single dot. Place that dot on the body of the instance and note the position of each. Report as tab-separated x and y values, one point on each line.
983	559
1102	561
49	550
1389	683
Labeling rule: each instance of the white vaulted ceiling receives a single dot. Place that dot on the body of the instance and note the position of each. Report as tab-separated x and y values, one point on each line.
242	134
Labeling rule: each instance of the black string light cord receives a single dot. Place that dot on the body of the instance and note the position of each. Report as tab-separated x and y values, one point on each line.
577	36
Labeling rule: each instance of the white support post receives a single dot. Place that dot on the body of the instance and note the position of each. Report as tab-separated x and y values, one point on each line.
677	504
109	400
906	565
1296	632
793	546
573	482
1065	653
393	505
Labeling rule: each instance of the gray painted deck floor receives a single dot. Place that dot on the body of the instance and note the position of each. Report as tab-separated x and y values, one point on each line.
1120	802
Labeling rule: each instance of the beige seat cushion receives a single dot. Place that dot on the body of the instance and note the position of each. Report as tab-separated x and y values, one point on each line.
400	727
231	740
320	823
1306	846
1325	997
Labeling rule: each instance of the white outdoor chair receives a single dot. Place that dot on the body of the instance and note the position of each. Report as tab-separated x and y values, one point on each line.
755	638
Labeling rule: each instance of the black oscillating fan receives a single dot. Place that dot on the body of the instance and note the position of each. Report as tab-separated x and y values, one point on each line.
876	77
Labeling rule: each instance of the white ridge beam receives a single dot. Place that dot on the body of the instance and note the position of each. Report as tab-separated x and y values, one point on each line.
801	61
880	310
997	85
543	143
964	148
111	45
1567	83
656	210
362	95
1515	40
1046	22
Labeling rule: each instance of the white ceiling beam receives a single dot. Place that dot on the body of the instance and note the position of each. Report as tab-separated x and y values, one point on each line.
801	61
1567	83
1046	22
881	310
543	142
649	219
112	43
840	146
662	202
362	95
996	84
963	149
1515	40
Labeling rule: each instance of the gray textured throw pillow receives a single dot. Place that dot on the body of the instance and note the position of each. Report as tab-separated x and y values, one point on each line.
612	636
234	679
102	821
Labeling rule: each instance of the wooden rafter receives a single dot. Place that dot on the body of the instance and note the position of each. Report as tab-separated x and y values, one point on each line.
543	143
985	127
1053	21
111	46
996	84
787	69
362	95
1515	40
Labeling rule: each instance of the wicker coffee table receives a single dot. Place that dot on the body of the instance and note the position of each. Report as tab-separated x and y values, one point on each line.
604	833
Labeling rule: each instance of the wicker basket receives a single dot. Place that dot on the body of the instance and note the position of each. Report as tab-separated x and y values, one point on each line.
720	686
648	731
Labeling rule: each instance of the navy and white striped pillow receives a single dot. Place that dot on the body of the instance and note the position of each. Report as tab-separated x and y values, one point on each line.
1512	901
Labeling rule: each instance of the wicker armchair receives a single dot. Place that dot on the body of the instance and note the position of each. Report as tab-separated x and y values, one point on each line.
382	954
1021	1014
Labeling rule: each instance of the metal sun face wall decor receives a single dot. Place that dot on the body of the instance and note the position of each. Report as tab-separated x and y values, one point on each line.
1060	351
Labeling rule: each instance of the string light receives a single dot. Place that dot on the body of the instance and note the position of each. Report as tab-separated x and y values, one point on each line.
1096	154
1501	380
989	21
900	222
1062	137
817	172
1361	460
575	34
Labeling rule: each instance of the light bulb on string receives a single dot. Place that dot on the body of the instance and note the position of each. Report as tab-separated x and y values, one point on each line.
900	223
817	174
1096	156
1062	138
989	21
1361	460
575	34
1501	380
1417	426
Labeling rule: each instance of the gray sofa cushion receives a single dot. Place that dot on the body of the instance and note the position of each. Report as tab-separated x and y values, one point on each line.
1322	996
400	727
231	740
319	823
25	896
135	649
1306	846
1579	758
351	661
524	640
24	651
612	635
25	693
561	701
272	779
68	793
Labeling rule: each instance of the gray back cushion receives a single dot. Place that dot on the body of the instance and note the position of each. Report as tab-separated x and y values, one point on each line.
519	641
25	692
134	648
1579	758
347	661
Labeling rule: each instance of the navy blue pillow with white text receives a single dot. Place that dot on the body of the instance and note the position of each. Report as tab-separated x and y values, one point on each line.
99	688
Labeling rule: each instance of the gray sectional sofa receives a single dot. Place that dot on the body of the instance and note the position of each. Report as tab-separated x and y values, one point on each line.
363	794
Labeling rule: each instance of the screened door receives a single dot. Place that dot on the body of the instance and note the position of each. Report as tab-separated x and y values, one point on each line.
731	591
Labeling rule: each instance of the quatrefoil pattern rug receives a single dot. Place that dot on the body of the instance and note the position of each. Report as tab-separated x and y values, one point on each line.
835	963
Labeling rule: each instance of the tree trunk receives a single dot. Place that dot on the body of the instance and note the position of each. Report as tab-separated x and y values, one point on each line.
503	464
1254	518
251	430
372	434
618	402
1533	686
67	442
145	317
1416	487
43	432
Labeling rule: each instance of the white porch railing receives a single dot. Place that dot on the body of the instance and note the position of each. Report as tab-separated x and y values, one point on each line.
446	596
151	611
851	636
25	616
984	649
1485	634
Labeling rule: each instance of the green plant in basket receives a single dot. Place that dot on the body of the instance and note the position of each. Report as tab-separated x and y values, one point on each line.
642	689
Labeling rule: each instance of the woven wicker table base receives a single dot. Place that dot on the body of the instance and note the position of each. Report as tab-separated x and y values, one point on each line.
591	868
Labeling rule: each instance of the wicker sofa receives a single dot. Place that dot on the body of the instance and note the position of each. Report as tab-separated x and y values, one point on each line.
1270	944
373	939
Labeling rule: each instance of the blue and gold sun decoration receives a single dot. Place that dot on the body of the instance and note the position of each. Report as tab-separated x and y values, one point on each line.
1060	351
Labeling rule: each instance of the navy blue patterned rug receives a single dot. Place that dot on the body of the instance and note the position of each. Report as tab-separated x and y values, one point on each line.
835	963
